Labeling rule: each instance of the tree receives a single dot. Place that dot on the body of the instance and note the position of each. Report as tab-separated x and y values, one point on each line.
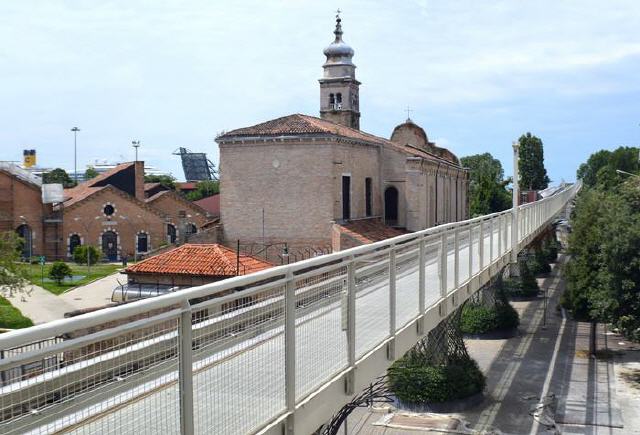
90	173
80	254
59	270
13	275
487	189
600	169
166	180
58	176
204	189
533	175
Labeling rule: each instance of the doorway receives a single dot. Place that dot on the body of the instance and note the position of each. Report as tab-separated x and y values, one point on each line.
391	205
110	245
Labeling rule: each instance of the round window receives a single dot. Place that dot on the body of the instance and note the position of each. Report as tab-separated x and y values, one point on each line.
108	209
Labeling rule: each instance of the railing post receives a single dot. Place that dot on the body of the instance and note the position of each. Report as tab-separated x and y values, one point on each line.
499	236
481	246
515	200
491	229
185	370
290	353
443	273
351	324
456	258
421	285
391	349
470	251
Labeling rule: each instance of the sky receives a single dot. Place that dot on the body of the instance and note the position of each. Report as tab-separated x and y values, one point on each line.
476	75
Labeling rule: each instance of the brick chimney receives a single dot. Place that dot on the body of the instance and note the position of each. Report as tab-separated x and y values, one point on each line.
139	180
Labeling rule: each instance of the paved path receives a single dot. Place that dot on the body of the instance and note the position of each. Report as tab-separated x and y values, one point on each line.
42	306
544	370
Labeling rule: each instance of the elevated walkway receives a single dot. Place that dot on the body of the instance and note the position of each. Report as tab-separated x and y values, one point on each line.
283	355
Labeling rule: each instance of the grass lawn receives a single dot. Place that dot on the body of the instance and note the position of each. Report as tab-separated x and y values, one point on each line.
11	317
97	271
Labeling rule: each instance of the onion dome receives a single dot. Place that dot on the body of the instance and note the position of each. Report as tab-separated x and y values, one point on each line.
339	50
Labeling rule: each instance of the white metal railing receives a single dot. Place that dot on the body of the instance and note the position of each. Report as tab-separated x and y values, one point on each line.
242	354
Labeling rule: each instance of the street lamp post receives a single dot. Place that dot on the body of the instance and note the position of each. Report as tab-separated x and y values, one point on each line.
75	131
136	145
135	247
86	226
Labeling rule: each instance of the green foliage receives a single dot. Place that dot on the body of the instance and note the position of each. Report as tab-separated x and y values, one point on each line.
204	189
58	176
603	275
11	317
90	173
166	180
539	263
480	319
600	169
59	270
13	275
551	248
528	284
487	189
533	175
80	254
413	381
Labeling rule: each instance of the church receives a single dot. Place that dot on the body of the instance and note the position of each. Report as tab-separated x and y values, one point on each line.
323	183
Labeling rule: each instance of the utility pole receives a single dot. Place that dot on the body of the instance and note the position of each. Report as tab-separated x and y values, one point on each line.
515	200
75	131
136	145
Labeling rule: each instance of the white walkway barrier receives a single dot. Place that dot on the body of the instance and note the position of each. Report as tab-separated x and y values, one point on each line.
282	348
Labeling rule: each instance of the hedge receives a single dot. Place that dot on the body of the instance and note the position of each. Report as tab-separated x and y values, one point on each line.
480	319
419	383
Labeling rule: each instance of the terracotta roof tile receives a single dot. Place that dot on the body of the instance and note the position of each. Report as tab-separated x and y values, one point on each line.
200	260
298	124
369	230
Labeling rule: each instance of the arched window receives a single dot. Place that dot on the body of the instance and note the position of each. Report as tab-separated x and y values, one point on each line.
171	233
24	231
74	242
332	101
391	205
142	244
338	98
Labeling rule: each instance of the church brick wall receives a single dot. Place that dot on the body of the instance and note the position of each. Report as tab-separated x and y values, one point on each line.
292	182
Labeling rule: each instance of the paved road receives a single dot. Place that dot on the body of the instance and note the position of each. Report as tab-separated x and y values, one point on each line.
42	306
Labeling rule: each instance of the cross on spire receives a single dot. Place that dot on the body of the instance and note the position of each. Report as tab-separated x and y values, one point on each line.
409	110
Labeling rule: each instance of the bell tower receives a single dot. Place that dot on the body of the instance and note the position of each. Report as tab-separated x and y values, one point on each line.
339	89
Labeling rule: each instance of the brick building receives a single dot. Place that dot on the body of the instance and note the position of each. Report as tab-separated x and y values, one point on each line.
111	211
292	179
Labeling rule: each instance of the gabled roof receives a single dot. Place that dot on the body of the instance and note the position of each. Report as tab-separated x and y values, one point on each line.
210	204
369	230
200	260
177	197
305	125
83	190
